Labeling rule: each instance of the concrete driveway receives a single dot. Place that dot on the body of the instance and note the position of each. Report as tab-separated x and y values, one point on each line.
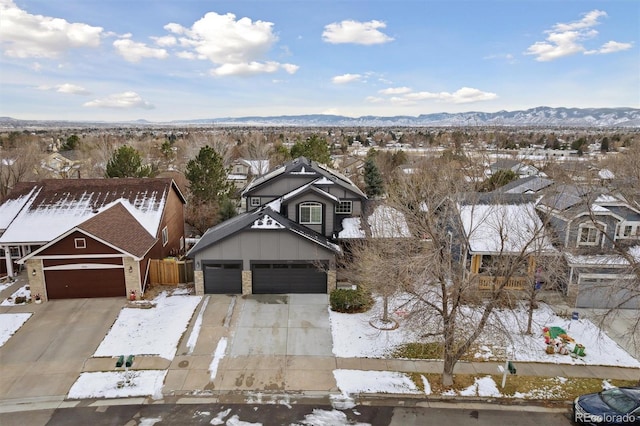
293	324
44	358
279	343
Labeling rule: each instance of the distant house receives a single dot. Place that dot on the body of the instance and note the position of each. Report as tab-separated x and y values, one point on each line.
500	227
243	170
285	241
90	237
525	185
519	168
594	230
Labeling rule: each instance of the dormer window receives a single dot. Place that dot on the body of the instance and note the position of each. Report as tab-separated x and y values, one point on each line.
80	243
589	235
310	214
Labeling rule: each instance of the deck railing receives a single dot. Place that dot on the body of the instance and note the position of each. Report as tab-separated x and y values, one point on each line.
487	282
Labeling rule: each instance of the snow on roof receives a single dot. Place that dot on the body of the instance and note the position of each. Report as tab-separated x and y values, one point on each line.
387	222
606	174
265	178
595	260
10	208
45	222
503	228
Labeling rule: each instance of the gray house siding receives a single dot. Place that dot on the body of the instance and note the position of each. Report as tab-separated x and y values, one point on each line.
609	221
328	212
264	245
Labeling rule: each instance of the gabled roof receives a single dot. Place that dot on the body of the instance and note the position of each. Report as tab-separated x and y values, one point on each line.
114	226
526	185
264	219
41	211
503	227
302	166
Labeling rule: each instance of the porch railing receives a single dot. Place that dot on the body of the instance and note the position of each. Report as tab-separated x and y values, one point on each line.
487	282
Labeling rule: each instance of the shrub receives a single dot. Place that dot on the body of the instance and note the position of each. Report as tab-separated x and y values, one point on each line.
20	300
350	301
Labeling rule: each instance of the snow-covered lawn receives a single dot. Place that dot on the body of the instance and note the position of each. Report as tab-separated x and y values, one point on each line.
359	381
10	323
153	331
353	336
104	384
21	292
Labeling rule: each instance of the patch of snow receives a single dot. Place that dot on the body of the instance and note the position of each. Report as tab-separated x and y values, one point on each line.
235	421
387	222
360	381
195	331
342	401
154	331
321	417
5	285
219	418
149	421
217	356
21	292
484	386
266	222
104	384
351	228
10	323
426	384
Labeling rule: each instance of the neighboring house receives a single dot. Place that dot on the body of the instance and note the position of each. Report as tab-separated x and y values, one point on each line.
285	242
594	230
91	237
499	226
515	166
525	185
60	166
243	170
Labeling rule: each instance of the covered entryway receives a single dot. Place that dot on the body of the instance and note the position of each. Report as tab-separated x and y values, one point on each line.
288	277
81	283
222	277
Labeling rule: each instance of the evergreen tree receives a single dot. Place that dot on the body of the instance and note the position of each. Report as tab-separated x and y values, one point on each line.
127	162
372	178
207	177
314	148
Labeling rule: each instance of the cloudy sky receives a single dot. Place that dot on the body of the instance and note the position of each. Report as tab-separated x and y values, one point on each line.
162	60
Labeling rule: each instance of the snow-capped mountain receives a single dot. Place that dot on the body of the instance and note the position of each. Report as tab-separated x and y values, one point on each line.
534	117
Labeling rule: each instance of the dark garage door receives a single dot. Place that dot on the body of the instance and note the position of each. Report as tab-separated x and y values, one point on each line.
223	278
279	278
79	283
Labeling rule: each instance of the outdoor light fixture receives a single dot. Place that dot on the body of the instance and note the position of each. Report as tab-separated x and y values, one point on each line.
130	269
198	265
33	272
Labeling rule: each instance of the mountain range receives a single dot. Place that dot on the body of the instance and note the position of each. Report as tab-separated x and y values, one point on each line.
534	117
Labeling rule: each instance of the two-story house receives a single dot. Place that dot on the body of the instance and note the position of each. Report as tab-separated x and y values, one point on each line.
598	232
285	241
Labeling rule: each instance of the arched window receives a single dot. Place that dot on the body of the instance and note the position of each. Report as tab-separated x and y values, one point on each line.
310	213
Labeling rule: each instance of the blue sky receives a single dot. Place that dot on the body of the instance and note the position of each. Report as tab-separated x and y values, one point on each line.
163	60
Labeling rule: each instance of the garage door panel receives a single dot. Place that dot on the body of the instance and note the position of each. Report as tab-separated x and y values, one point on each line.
282	278
83	283
223	278
605	294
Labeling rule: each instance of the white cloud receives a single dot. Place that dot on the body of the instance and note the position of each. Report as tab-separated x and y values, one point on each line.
252	68
349	31
464	95
125	100
374	99
395	91
165	41
346	78
237	46
566	39
133	51
68	88
610	47
23	35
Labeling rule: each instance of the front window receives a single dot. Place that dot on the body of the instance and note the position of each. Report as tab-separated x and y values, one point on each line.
311	213
345	207
589	236
165	236
626	231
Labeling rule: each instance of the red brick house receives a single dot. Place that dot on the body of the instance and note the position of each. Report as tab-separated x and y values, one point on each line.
92	237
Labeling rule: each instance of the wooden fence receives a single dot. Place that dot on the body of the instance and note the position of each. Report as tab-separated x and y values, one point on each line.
486	282
170	271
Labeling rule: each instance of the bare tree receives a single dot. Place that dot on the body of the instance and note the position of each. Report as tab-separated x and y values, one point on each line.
438	268
18	164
